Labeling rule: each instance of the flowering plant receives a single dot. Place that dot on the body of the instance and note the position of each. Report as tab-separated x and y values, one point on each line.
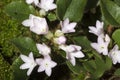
67	39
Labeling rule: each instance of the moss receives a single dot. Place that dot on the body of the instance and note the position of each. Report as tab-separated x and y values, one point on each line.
9	29
4	69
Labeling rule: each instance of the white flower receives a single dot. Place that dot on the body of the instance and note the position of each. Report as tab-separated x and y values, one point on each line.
72	52
46	65
43	49
47	5
32	1
37	25
67	27
60	40
29	63
98	30
102	45
114	54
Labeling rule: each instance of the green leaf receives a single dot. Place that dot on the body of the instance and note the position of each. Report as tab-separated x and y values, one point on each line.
81	76
116	37
117	72
19	10
72	9
17	72
100	68
75	10
83	42
25	45
90	66
62	6
110	11
77	69
108	63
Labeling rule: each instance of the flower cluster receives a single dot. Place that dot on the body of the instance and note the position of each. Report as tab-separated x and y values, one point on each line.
39	26
45	5
103	41
45	64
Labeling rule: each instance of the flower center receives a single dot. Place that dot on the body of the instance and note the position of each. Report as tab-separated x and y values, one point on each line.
46	64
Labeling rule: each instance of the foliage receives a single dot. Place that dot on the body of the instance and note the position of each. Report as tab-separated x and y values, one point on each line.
93	66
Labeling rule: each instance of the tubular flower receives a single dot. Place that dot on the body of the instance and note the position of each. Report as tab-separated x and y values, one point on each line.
114	54
43	49
72	52
37	25
67	27
47	5
98	30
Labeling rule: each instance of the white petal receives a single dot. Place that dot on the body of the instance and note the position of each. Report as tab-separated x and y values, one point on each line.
77	47
27	23
50	1
36	2
105	52
25	58
68	28
48	71
93	30
99	24
29	1
60	40
53	64
38	61
78	54
25	66
30	71
31	56
100	40
39	47
47	57
115	47
52	6
72	25
41	68
71	48
94	45
72	60
63	47
65	22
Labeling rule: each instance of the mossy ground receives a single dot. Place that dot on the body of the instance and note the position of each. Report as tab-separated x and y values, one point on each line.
9	29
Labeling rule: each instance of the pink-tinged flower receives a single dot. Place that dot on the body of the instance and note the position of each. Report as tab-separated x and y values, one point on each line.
43	49
102	45
29	63
32	1
60	40
114	54
37	25
46	65
47	5
72	52
98	30
68	27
